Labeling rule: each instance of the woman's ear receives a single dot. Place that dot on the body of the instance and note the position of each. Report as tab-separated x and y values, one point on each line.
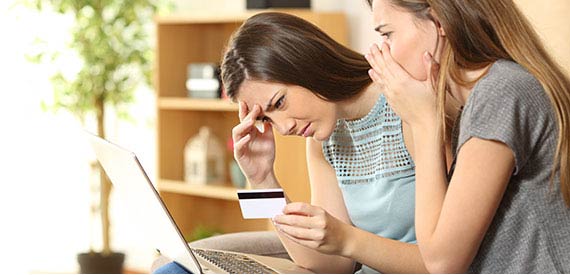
440	30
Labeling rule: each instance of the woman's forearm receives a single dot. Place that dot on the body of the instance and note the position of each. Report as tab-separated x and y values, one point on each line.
383	254
431	187
316	261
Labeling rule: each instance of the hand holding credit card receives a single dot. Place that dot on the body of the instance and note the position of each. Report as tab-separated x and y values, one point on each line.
261	203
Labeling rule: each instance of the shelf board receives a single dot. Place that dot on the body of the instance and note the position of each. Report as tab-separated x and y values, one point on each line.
221	17
208	191
192	104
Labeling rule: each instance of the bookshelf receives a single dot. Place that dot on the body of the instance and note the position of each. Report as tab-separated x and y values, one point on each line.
188	38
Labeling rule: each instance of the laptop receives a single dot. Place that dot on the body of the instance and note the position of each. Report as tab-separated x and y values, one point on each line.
126	172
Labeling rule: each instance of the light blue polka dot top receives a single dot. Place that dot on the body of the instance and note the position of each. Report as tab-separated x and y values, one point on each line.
375	173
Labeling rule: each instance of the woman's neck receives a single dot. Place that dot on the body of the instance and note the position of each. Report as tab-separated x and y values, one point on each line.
461	92
359	105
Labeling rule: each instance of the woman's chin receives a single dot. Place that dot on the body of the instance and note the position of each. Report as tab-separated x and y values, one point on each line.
320	138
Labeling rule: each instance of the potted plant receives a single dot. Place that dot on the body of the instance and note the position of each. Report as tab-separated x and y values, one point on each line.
111	39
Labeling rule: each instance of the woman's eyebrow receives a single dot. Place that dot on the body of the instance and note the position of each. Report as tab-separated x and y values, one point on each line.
271	100
378	29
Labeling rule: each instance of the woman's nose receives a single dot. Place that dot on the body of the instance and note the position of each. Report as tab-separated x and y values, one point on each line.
285	127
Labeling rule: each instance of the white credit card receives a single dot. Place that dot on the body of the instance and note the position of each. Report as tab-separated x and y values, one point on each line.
261	203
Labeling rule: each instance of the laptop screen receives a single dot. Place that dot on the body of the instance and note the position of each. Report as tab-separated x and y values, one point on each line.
145	207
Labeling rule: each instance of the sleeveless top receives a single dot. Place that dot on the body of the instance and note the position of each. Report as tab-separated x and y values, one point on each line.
375	173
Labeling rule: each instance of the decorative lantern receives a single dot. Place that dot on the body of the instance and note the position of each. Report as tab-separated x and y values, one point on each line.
204	159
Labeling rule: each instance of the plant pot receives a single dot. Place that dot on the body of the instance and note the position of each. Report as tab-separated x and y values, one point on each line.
97	263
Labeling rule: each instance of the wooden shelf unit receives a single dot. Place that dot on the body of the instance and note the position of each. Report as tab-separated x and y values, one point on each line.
197	38
218	191
174	103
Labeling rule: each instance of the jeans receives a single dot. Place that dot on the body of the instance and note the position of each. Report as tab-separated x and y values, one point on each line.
172	268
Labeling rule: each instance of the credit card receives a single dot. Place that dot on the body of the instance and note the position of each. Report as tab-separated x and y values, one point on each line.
261	203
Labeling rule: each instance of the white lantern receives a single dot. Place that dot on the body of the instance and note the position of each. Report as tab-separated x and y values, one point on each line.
204	159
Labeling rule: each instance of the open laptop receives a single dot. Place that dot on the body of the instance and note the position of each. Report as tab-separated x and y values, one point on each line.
126	172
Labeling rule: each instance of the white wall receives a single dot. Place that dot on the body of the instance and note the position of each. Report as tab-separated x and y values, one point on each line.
361	33
550	18
44	157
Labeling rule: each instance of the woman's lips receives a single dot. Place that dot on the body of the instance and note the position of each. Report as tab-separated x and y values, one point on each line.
305	131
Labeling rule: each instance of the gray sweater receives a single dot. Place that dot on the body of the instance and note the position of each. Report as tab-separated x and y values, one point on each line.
530	232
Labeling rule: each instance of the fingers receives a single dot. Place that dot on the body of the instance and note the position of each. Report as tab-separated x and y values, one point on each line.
242	110
306	225
242	129
301	233
254	113
432	68
387	60
374	76
246	121
302	215
378	58
374	58
305	243
393	69
301	227
245	113
240	145
242	133
428	65
301	208
267	130
293	220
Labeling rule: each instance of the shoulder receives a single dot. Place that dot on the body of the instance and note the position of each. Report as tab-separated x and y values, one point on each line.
313	146
508	105
507	81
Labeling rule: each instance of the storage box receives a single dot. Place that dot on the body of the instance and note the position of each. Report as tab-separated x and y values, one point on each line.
203	80
264	4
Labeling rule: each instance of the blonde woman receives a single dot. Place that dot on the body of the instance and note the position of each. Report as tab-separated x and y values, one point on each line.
504	207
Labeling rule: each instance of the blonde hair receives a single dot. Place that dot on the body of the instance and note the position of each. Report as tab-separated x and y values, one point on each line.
480	32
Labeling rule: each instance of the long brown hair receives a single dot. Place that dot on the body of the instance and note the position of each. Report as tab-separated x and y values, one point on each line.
479	33
283	48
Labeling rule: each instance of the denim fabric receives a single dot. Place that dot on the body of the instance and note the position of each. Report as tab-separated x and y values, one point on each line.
172	268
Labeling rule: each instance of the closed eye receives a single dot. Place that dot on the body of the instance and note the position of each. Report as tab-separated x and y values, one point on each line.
386	34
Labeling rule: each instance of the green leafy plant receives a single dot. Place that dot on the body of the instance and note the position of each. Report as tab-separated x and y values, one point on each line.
111	38
202	232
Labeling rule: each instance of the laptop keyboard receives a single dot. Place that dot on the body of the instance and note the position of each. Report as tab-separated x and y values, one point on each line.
233	263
